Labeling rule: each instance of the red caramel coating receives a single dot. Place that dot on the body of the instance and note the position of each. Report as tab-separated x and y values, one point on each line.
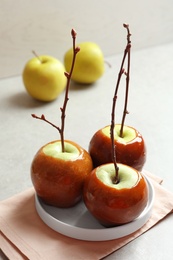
58	182
112	207
132	153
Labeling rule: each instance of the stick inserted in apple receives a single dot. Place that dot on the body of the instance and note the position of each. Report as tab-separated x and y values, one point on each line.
115	193
114	203
60	167
130	145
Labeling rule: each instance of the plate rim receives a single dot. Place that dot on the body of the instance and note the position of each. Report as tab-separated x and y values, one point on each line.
95	234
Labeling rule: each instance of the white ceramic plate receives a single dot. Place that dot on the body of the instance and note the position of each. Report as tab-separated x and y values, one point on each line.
77	222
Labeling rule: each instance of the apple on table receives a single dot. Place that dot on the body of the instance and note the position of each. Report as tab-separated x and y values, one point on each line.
43	77
89	65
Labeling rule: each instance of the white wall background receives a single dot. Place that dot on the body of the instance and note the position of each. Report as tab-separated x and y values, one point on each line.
44	26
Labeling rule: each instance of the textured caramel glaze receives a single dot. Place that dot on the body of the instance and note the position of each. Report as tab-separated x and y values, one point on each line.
131	153
59	182
111	206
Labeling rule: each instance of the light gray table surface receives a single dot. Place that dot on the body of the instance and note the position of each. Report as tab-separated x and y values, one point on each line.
89	109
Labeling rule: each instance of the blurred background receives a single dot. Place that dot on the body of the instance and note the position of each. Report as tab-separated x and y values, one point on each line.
44	26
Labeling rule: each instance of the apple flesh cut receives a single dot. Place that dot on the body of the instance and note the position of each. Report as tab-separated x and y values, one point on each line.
130	148
57	176
115	204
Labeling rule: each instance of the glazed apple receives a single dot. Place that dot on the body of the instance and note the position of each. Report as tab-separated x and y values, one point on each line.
116	193
58	176
130	148
115	203
60	167
129	143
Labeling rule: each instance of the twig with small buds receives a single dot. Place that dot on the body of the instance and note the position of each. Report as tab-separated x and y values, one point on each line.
128	49
66	98
121	72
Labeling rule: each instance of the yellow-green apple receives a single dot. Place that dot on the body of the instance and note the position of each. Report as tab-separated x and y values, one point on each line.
89	65
43	77
115	204
130	148
57	176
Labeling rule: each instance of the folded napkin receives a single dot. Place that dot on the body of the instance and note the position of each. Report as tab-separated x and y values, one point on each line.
25	236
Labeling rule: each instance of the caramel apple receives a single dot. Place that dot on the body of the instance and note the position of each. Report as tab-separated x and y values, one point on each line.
130	148
115	203
59	168
130	145
58	176
116	193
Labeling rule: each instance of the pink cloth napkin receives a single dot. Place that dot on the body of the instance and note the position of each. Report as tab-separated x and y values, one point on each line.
24	235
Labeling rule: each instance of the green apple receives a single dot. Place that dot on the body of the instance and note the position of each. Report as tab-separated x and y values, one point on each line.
89	65
130	148
44	78
57	176
115	203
